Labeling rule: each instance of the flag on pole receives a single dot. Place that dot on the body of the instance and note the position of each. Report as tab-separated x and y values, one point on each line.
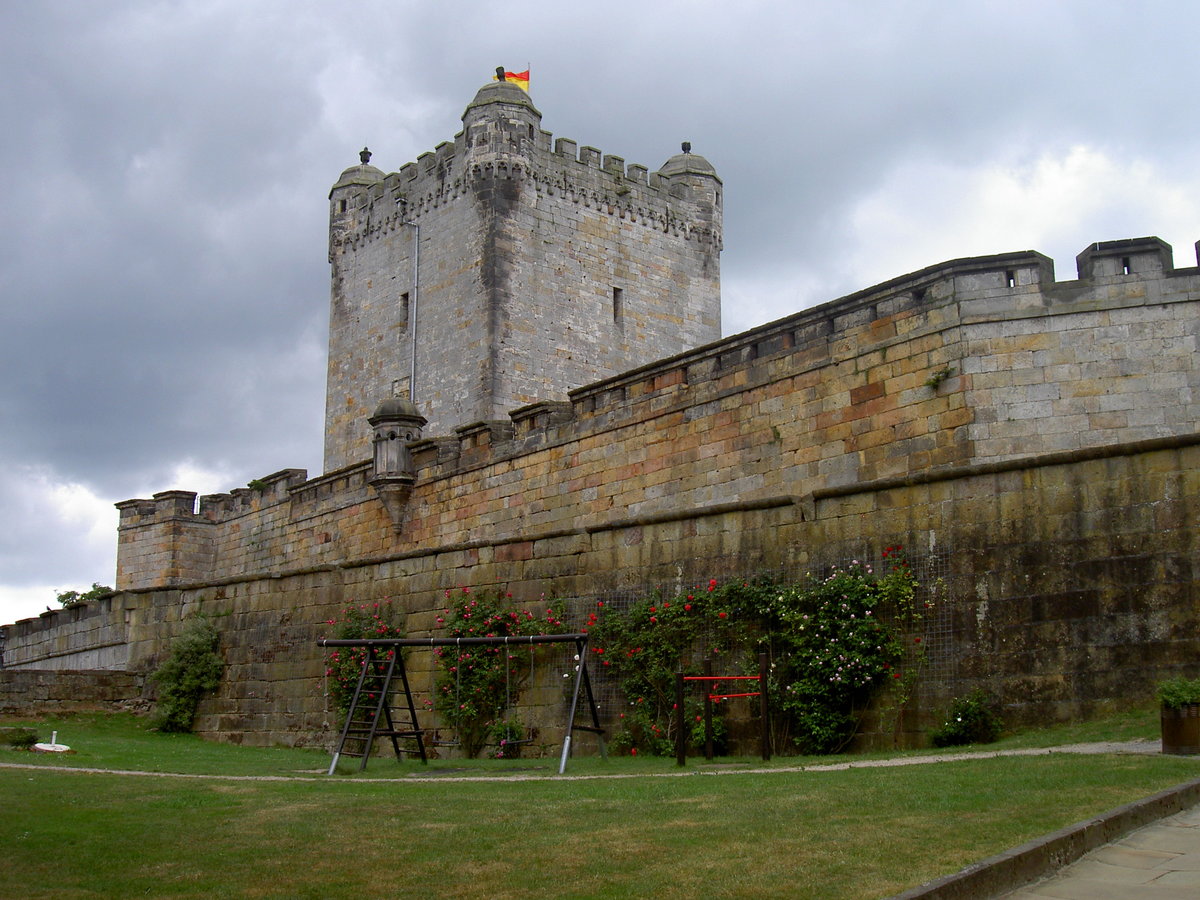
520	79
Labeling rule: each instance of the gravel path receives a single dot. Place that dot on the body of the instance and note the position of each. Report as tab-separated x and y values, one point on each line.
1142	747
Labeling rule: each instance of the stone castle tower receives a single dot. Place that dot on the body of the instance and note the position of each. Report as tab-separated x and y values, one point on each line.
504	268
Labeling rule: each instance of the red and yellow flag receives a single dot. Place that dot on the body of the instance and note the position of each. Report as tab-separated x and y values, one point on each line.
520	79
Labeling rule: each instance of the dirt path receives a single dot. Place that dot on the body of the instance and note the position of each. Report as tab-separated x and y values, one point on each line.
1140	747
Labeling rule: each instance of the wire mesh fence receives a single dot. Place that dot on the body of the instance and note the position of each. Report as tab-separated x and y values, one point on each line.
932	641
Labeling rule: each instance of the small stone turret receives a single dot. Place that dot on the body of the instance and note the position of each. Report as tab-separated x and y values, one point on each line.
693	178
500	125
396	423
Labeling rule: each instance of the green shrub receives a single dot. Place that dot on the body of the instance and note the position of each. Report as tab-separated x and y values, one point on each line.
192	669
1176	692
971	720
18	738
71	598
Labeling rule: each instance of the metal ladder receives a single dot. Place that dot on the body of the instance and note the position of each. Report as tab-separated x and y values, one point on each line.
370	713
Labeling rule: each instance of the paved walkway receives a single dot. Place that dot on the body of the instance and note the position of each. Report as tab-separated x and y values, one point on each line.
1157	862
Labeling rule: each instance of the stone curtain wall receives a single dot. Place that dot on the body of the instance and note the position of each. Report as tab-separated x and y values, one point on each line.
926	411
1063	585
974	361
86	636
845	393
26	692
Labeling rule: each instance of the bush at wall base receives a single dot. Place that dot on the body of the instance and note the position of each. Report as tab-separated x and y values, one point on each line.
971	721
1180	716
192	669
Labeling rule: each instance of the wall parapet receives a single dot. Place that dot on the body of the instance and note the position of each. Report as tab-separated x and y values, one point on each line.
384	207
557	166
937	300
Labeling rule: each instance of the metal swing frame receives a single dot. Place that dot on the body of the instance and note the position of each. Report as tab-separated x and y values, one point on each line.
350	733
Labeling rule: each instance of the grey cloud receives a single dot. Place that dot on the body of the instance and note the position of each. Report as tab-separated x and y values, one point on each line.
165	169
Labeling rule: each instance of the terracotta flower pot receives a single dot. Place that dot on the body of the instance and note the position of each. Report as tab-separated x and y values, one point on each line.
1181	729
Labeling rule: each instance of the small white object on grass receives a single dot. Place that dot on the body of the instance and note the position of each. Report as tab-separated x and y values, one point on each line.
53	747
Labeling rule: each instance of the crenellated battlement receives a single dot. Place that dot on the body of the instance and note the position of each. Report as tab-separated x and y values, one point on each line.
582	175
178	505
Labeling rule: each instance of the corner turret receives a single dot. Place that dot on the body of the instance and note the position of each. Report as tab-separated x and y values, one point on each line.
689	176
344	193
501	120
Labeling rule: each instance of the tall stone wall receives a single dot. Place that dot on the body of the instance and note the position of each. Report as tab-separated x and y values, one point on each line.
1032	442
972	362
1064	583
91	635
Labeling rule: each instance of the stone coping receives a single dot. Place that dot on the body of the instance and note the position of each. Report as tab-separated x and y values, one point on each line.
1029	862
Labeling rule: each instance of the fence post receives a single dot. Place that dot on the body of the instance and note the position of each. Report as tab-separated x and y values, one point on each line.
708	733
680	719
763	707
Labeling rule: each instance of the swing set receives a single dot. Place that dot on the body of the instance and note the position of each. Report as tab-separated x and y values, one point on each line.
436	740
372	715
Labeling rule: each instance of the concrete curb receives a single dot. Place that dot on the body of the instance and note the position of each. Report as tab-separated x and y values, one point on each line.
1027	863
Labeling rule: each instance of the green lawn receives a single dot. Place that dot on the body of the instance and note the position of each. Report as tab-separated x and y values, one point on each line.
857	833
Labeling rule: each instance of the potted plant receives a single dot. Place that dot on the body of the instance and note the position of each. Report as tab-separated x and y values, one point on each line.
1180	700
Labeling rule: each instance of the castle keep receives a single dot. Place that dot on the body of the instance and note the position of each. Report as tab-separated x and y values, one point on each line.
504	268
1031	441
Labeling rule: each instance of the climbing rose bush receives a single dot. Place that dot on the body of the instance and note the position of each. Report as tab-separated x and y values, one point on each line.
478	684
645	645
834	642
376	619
838	640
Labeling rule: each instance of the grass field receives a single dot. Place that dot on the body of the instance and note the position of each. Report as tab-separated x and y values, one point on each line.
865	832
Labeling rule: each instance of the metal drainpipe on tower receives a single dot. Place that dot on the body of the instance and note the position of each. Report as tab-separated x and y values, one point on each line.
416	255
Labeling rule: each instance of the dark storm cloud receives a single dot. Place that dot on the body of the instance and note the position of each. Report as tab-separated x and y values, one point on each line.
150	261
166	166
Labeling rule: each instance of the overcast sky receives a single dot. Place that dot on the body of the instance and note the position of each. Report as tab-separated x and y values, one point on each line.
165	168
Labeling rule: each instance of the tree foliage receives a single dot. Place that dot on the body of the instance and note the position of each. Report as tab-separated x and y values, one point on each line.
71	598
